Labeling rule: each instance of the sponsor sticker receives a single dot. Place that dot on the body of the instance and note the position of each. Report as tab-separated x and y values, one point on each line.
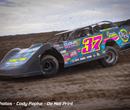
98	54
71	44
94	55
90	56
73	53
83	58
124	35
76	59
59	46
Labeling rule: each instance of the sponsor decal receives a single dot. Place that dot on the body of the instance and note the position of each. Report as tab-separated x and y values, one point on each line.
14	60
104	52
66	62
98	54
78	50
124	35
111	36
94	55
73	53
58	46
91	44
90	56
67	57
83	58
71	44
77	42
73	60
76	60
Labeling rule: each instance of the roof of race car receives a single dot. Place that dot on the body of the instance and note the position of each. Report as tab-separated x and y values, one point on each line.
99	23
67	31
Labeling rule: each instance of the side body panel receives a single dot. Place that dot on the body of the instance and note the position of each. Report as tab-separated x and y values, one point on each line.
82	49
121	35
92	47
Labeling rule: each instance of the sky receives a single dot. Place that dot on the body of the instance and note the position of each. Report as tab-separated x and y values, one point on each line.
34	16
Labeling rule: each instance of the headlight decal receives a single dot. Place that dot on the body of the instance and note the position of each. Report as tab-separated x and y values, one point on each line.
14	60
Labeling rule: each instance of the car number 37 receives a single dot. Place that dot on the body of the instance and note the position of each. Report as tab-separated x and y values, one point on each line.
91	43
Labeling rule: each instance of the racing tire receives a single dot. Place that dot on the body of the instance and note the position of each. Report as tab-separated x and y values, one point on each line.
111	58
49	65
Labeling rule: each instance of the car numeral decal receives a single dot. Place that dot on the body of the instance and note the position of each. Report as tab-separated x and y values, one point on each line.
91	44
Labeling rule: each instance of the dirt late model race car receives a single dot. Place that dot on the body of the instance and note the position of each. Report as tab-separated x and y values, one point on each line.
101	41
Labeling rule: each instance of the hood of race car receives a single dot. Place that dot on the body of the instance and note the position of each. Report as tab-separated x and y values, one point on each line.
19	56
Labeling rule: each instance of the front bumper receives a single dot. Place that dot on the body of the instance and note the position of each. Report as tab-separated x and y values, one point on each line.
17	72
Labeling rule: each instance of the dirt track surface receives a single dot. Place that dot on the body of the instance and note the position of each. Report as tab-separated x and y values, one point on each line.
89	86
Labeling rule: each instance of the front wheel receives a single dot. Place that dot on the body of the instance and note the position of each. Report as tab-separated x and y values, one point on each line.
49	65
111	57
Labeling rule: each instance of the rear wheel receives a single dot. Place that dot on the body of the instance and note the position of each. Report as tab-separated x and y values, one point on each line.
111	57
49	65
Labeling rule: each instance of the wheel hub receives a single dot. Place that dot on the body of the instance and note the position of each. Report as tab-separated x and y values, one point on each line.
47	66
110	57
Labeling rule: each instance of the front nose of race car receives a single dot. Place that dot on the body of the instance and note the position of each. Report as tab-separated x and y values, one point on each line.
10	71
15	69
20	62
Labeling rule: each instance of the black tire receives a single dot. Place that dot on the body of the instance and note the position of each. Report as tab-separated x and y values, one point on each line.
111	58
49	65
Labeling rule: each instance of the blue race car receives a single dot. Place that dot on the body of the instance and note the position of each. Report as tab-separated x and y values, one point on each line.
101	41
